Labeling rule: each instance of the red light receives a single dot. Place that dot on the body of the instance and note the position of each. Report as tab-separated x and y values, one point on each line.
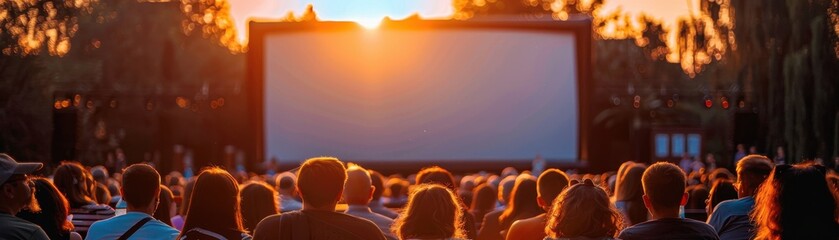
725	104
708	103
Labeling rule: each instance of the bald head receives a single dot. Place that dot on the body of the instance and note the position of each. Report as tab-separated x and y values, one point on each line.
358	190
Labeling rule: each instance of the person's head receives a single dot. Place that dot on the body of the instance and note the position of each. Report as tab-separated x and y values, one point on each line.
779	152
720	173
214	204
753	150
549	185
54	209
432	212
628	186
16	189
795	202
505	189
483	198
695	208
583	210
396	186
321	182
76	183
141	187
378	184
358	190
752	170
100	174
664	188
436	175
286	184
721	190
741	148
523	203
166	207
103	195
186	196
258	202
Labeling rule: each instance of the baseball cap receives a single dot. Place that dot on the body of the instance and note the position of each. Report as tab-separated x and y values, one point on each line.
9	167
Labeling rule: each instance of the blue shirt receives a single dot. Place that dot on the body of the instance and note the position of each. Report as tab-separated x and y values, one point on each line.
381	221
731	218
113	228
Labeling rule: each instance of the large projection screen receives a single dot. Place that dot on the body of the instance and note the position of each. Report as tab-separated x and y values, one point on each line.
410	92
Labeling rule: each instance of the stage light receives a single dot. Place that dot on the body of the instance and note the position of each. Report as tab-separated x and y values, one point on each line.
708	103
636	103
724	103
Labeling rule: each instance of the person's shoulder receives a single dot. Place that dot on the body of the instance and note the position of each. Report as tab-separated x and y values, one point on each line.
699	225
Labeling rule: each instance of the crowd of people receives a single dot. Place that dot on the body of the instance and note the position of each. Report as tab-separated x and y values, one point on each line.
329	199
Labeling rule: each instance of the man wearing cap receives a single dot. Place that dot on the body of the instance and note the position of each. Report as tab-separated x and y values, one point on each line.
17	192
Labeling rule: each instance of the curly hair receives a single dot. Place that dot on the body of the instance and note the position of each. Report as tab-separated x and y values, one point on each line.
432	211
583	210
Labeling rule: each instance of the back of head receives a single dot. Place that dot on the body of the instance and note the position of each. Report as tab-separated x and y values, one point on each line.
358	186
396	187
100	174
321	181
187	196
436	175
258	202
664	184
723	189
483	198
550	184
795	202
629	186
164	210
378	184
285	181
432	212
752	170
523	203
583	210
505	189
72	180
140	185
214	204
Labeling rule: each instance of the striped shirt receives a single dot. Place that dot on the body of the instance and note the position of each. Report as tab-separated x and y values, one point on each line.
85	216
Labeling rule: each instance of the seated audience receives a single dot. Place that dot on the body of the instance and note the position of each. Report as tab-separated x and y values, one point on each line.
321	183
549	185
54	211
178	220
357	193
721	190
695	207
795	202
398	194
166	208
522	205
731	218
664	193
258	202
287	192
16	193
77	185
629	194
483	202
433	212
378	189
583	211
214	208
140	191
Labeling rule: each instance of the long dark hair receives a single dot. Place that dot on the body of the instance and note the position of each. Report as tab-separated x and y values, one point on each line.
214	204
583	210
796	203
483	201
164	206
258	201
76	183
723	189
54	210
630	190
523	203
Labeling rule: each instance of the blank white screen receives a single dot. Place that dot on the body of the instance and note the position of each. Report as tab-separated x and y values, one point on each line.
389	95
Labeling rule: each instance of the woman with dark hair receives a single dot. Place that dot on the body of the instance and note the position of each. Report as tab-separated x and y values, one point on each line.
258	201
723	189
166	207
441	176
629	194
78	186
432	212
696	205
583	211
214	208
54	210
795	202
178	220
483	202
523	203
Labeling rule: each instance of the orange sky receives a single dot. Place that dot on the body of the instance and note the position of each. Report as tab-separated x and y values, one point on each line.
372	10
